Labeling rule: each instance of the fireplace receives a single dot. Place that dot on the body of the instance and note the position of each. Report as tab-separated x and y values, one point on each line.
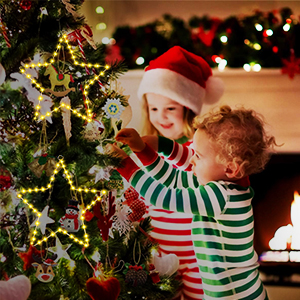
276	191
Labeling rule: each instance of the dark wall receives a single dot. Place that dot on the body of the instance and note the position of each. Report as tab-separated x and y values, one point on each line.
274	192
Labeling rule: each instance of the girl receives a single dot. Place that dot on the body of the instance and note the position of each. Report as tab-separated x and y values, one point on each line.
172	91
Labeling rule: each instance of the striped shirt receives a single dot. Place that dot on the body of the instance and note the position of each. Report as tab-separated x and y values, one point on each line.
172	230
222	226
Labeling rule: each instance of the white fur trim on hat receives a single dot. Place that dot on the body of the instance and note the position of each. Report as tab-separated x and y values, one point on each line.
180	89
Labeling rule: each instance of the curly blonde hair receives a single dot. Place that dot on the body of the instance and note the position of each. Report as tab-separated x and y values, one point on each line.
148	129
238	136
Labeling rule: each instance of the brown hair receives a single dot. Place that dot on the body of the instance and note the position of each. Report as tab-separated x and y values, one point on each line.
238	136
149	129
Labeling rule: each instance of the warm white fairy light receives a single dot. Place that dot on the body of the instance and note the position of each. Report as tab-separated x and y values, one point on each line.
98	197
64	40
258	27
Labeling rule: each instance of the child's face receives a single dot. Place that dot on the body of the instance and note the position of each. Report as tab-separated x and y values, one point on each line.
205	167
165	115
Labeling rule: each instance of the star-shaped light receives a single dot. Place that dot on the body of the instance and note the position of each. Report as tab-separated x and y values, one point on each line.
60	250
26	71
42	221
42	217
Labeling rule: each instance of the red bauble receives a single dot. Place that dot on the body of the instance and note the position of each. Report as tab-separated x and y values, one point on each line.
108	289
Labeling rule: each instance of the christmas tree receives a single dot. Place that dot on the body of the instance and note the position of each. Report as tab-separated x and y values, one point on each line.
69	227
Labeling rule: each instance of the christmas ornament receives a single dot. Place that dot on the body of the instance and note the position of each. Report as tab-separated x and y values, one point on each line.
71	8
42	221
137	206
82	35
113	108
27	257
2	74
58	79
113	184
3	29
135	275
70	221
33	94
26	5
45	162
292	66
88	216
153	274
120	219
100	173
104	211
66	115
166	265
44	270
16	288
60	250
103	288
93	130
5	179
131	194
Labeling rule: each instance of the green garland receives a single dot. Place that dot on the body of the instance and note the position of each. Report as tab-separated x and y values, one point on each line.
264	38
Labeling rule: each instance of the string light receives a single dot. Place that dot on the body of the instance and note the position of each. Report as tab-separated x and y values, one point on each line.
24	71
98	197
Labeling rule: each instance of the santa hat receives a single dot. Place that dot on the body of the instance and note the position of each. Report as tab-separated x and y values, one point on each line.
183	77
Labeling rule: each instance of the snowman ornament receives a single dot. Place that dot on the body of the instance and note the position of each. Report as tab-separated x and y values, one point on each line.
70	221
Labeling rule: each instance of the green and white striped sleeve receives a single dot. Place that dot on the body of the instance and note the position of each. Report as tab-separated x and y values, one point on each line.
208	200
164	172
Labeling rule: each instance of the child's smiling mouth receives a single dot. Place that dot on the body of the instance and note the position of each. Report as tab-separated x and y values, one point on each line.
166	126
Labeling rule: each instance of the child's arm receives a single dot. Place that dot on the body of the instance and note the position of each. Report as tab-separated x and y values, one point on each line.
155	165
208	200
173	152
176	154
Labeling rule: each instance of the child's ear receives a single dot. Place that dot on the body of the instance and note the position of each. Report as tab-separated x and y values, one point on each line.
232	170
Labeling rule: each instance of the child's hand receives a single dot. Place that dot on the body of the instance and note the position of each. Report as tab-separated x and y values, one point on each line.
152	141
112	148
130	137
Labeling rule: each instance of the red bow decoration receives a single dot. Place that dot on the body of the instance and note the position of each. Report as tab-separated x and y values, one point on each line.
136	268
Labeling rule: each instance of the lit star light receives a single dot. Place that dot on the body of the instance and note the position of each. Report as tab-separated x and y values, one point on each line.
42	217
